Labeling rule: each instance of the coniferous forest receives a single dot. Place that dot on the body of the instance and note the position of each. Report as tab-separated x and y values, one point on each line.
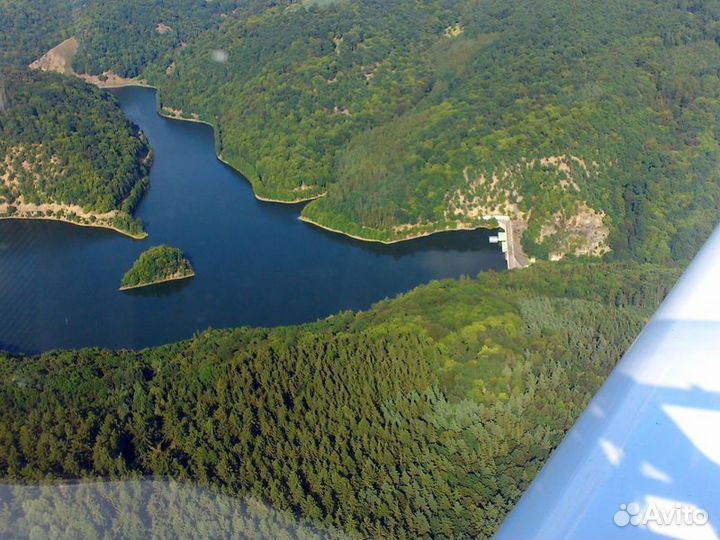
425	417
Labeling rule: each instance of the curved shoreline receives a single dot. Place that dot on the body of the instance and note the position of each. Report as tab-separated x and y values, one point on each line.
301	200
127	234
278	201
162	114
144	84
397	241
219	157
166	280
238	171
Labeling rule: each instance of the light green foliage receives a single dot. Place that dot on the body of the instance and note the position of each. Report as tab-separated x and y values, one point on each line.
426	416
123	36
320	3
115	35
397	109
156	264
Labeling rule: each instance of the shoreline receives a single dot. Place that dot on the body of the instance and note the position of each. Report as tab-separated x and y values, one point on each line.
503	225
159	111
127	234
278	201
415	236
225	162
166	280
106	86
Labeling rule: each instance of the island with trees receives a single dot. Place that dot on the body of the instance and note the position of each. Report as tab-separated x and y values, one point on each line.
592	126
157	265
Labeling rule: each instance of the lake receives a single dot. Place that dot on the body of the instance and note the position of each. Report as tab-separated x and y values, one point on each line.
257	264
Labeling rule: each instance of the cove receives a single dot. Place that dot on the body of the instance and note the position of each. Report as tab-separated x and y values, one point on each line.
256	263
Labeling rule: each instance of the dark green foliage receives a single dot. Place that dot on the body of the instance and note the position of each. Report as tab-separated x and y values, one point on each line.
68	143
122	36
156	264
426	416
391	106
28	28
115	35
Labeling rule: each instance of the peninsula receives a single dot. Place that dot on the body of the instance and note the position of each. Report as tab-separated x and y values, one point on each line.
94	178
158	264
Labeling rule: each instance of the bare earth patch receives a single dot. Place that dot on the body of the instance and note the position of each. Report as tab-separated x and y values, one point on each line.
454	31
581	231
59	60
36	166
179	114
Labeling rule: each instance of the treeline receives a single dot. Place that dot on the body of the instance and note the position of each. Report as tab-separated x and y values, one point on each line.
65	142
425	417
157	264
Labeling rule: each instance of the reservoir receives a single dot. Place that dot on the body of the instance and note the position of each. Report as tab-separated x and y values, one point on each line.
257	264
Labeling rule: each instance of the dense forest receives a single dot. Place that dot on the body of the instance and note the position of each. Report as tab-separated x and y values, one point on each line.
426	416
122	36
67	151
155	265
594	124
28	28
592	128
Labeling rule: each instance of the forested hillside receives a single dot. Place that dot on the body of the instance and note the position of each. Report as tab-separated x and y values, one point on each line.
124	36
28	28
426	416
68	152
590	126
121	36
593	124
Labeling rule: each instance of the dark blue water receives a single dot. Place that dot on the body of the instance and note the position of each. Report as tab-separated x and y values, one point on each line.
256	263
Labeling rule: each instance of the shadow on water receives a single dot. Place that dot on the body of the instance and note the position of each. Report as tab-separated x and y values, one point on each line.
444	242
161	289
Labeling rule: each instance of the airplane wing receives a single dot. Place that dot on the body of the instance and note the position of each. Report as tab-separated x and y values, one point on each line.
643	461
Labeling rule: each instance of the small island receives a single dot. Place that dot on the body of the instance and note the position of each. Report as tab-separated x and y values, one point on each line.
158	264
